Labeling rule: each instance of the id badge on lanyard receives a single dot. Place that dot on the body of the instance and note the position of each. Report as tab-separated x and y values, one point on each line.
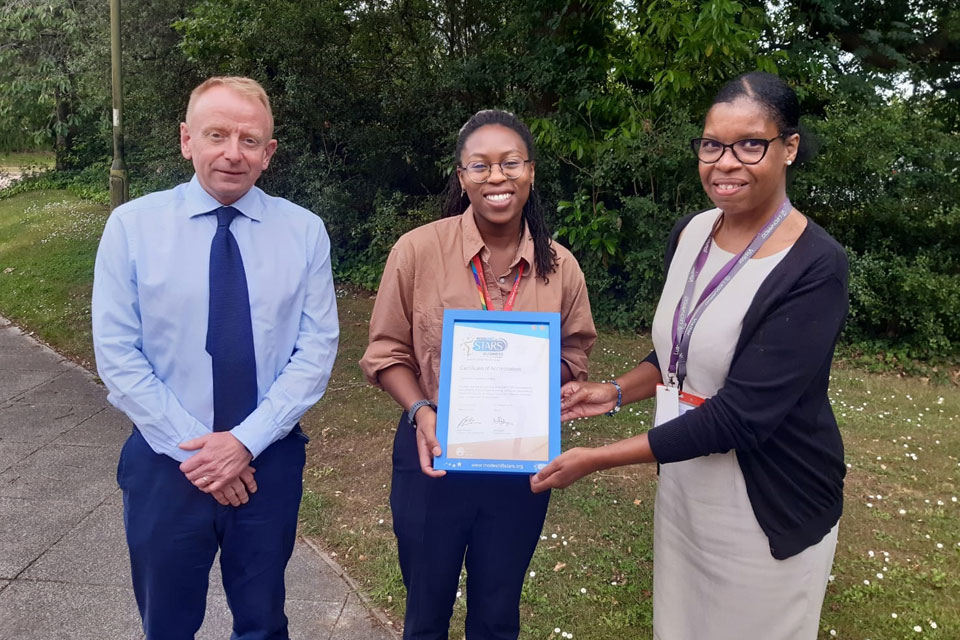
673	403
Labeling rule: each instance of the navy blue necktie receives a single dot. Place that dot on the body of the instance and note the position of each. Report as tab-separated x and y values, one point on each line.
230	330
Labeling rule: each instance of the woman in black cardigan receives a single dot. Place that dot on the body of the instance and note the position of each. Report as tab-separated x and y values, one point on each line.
751	482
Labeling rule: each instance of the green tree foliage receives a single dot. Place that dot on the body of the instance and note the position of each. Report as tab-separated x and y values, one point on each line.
48	83
918	37
887	185
620	128
369	95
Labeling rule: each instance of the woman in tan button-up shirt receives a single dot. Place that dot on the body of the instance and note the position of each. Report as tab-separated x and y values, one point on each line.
492	521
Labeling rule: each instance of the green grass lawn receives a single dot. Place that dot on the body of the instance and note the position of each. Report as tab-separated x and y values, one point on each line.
898	559
24	160
598	535
48	241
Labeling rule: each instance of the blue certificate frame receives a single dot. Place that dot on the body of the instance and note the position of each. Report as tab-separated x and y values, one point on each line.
494	428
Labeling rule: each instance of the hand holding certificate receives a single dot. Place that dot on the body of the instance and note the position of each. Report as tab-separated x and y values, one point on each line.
499	398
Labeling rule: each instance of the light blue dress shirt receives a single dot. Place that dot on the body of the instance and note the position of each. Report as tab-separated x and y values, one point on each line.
150	308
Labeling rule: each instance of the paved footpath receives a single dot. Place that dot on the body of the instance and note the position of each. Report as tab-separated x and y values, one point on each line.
64	570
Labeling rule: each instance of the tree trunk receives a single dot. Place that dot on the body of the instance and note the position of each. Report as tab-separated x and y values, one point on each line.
63	142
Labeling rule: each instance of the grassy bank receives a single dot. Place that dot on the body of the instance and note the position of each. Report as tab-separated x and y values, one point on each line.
26	160
48	241
899	549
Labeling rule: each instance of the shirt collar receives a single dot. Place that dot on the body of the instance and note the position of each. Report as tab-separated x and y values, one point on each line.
473	243
198	202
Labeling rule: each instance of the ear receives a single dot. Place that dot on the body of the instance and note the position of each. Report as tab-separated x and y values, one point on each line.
268	152
533	173
792	145
185	141
463	185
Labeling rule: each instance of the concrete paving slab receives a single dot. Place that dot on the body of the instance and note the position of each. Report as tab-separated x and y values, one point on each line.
85	475
108	428
72	387
355	621
12	340
352	587
308	620
13	452
93	552
217	621
36	360
55	611
39	424
14	383
29	527
307	578
311	620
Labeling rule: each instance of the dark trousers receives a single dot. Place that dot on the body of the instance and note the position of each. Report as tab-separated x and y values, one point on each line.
493	521
174	531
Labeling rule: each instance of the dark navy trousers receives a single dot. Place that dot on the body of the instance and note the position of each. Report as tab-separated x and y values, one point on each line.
490	520
174	531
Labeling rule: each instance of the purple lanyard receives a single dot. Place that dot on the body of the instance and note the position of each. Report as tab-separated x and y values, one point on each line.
684	319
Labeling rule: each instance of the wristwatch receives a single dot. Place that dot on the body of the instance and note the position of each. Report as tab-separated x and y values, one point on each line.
412	413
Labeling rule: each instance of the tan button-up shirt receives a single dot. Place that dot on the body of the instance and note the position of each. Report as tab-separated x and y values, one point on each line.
428	270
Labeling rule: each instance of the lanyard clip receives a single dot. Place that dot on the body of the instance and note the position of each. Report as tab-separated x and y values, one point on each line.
672	380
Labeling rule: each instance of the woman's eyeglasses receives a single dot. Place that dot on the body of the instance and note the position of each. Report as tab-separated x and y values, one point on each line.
511	168
748	151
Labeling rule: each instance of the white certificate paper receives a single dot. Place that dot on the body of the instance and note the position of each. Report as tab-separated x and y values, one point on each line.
497	390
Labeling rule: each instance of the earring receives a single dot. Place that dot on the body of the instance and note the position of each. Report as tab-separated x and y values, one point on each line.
789	162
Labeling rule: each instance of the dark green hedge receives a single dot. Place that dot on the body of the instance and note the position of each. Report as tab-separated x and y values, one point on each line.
369	96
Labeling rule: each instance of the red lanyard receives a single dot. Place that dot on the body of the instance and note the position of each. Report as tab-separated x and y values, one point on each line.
485	301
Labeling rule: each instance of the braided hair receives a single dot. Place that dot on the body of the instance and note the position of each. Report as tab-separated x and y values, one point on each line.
456	201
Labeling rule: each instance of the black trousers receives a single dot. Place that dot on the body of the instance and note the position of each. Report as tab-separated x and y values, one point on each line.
490	520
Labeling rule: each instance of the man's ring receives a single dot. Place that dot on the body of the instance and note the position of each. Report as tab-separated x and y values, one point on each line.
204	479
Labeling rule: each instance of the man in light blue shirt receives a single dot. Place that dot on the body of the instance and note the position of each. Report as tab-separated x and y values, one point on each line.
215	329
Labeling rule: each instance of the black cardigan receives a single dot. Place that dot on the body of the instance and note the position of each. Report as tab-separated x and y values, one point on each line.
773	407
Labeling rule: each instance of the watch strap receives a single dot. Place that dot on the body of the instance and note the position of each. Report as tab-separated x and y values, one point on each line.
416	406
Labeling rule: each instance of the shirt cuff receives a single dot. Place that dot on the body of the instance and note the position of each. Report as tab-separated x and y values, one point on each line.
255	435
181	455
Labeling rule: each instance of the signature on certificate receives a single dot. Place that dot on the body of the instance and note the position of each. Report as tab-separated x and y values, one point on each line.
468	421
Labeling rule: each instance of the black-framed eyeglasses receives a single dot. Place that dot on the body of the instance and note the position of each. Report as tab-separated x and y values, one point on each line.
747	151
511	168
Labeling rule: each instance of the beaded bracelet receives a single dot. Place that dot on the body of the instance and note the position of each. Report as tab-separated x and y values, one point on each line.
616	409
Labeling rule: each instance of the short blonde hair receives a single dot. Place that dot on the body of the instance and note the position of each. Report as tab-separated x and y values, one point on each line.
246	87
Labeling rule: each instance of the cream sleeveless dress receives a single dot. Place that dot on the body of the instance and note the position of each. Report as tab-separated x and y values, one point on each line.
714	577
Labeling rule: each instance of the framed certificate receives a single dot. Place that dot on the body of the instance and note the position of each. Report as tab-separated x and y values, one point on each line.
499	404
